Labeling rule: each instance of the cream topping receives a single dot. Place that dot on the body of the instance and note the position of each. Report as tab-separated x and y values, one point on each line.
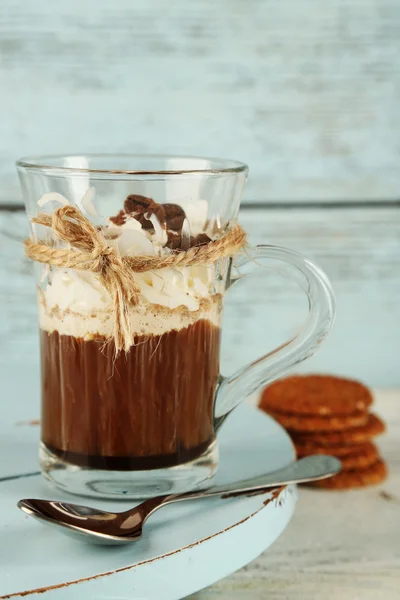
70	293
144	319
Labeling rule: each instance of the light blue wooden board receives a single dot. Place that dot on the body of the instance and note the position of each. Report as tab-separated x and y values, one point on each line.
19	407
304	91
220	535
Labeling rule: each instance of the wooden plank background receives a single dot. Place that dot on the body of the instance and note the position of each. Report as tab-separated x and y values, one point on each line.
304	91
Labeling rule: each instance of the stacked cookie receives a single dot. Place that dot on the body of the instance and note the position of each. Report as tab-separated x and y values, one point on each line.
330	415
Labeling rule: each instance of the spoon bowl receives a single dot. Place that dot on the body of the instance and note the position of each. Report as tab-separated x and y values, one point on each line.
85	522
110	528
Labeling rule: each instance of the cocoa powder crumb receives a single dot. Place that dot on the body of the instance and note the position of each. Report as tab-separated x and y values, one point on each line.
32	422
386	496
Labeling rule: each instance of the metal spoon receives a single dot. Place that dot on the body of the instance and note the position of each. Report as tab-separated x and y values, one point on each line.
103	527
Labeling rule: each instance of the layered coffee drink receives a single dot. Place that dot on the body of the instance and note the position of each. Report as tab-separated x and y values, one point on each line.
130	291
150	407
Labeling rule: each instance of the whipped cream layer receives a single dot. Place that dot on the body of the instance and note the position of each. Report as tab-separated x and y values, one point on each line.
76	303
145	319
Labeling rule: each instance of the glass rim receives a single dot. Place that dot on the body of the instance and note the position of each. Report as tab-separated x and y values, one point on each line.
223	166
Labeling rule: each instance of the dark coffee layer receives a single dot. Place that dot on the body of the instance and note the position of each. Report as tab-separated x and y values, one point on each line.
131	463
152	405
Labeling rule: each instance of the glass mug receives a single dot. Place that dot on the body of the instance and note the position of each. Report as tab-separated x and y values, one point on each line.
145	422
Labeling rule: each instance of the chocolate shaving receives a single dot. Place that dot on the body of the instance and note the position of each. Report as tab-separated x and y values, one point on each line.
175	240
139	204
142	208
200	240
174	216
119	219
170	216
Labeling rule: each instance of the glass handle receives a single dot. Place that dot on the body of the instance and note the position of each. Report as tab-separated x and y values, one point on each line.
235	388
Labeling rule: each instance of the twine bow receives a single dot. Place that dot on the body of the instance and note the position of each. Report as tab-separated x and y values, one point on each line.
89	251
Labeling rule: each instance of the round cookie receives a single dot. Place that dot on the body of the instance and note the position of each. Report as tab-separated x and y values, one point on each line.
304	423
348	437
308	448
372	475
359	459
314	395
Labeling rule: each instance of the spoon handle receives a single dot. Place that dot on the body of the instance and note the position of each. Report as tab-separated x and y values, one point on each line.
310	468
